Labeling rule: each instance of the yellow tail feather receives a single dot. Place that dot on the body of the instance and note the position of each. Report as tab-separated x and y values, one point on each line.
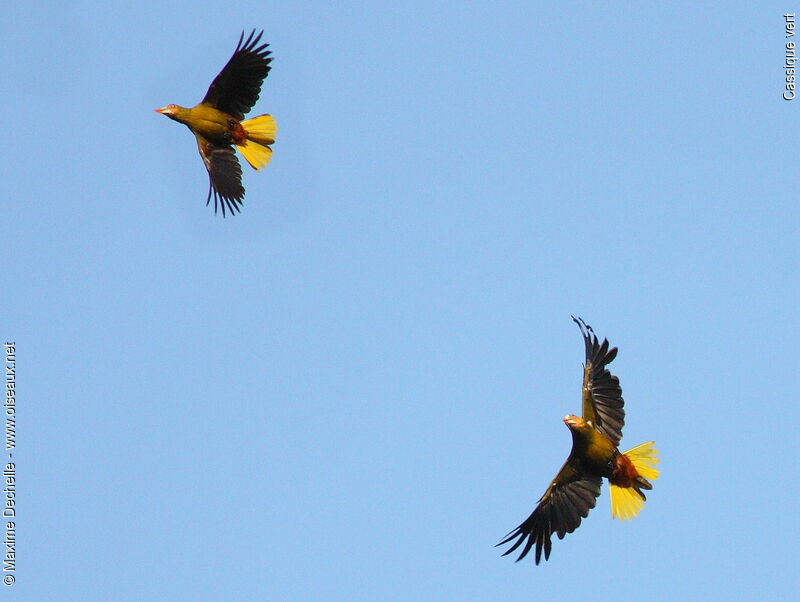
626	501
257	155
644	458
261	129
261	132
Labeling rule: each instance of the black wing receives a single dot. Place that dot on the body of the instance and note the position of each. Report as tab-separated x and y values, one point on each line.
568	499
602	395
224	175
235	90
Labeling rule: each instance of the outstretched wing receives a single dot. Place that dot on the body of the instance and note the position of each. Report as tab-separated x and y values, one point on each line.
224	175
568	499
602	395
235	90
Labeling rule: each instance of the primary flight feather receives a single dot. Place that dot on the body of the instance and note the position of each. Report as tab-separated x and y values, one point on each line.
217	122
594	456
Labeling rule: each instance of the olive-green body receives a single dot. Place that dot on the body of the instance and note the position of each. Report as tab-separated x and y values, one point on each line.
592	452
210	123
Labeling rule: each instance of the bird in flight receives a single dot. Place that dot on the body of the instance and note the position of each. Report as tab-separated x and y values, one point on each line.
217	122
595	437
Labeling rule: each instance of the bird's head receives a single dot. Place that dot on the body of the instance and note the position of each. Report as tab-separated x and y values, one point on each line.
171	111
576	423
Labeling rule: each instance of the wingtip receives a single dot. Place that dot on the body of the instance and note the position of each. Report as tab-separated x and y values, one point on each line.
581	323
251	41
233	206
508	537
587	331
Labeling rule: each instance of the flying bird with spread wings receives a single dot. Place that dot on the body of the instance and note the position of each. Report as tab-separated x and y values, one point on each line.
217	122
594	456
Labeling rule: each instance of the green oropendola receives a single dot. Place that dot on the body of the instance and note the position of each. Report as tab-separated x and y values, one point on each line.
217	122
594	455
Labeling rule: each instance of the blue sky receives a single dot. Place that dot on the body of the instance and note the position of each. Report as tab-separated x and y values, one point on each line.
354	389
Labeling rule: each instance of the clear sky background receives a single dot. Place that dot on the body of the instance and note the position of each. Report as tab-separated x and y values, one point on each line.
353	389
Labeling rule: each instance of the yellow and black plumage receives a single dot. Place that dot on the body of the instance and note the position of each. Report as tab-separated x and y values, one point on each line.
217	122
594	456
